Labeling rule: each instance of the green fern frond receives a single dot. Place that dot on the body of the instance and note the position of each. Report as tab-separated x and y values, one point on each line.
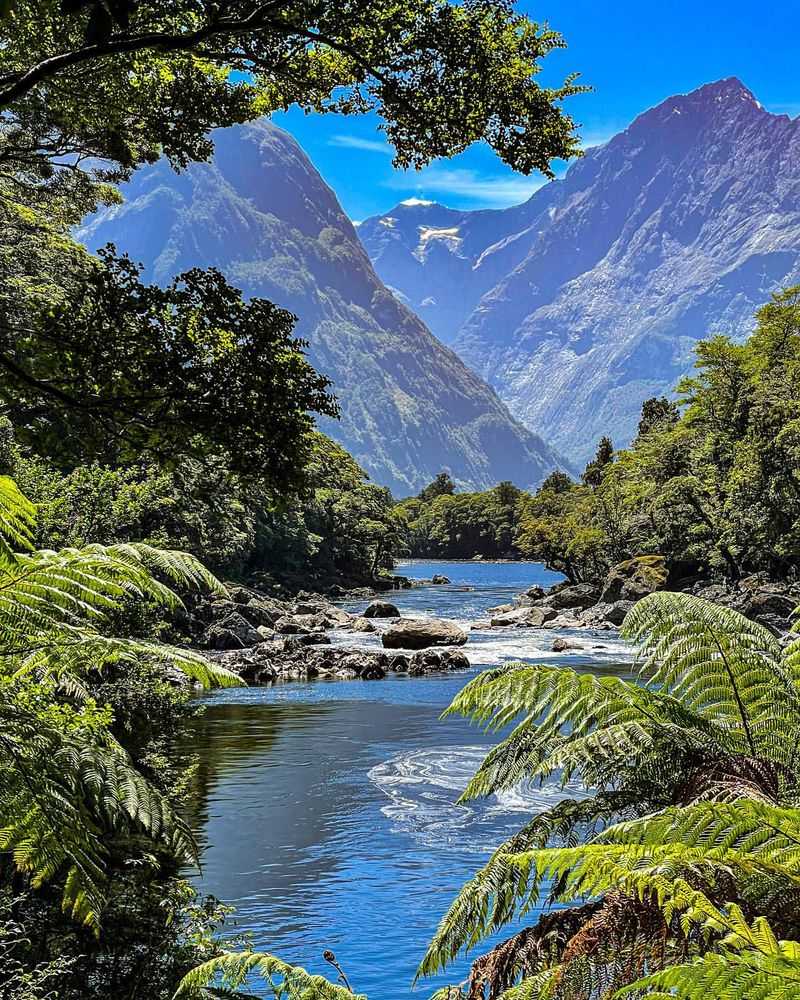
747	975
232	969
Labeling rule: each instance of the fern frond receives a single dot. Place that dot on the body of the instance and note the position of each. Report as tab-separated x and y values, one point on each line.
232	969
749	975
720	665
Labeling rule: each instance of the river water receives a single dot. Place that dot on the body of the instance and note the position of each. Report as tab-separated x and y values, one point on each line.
326	810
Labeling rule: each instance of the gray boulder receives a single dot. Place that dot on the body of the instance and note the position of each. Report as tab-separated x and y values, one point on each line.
298	624
523	618
439	578
576	595
232	632
410	633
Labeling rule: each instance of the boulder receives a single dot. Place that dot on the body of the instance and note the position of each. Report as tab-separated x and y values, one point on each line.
523	618
362	625
297	624
501	609
576	595
232	632
410	633
616	612
634	579
563	645
337	618
381	609
770	603
439	578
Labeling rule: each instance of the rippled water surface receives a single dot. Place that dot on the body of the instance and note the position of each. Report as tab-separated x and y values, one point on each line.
327	809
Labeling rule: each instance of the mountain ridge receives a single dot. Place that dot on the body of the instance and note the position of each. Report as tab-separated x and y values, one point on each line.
262	214
680	225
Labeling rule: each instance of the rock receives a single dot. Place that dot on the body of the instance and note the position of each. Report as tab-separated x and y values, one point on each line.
634	579
562	645
409	633
577	595
502	609
381	609
439	578
362	625
770	602
337	618
296	624
267	634
372	671
535	593
523	618
233	632
616	612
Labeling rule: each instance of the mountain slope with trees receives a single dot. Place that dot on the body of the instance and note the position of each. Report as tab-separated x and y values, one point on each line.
262	215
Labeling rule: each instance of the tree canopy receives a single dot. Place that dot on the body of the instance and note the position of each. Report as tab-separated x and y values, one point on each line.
118	369
126	81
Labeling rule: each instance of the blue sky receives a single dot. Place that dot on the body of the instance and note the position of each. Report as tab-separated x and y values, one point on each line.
634	54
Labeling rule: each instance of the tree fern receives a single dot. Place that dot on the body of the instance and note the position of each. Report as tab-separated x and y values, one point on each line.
693	782
67	789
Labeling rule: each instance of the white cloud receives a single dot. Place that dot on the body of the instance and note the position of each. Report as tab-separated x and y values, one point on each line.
345	141
494	191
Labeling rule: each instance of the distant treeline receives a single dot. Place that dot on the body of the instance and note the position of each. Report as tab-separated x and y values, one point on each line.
711	482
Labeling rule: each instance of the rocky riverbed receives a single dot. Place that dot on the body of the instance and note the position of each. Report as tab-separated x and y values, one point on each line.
265	639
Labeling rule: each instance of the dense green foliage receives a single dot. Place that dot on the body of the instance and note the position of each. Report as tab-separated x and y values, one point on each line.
80	812
440	76
441	523
715	490
341	529
202	373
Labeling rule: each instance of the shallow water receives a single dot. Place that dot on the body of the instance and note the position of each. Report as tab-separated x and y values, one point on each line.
327	809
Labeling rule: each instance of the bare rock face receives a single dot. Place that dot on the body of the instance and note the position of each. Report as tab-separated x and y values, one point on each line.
585	300
409	633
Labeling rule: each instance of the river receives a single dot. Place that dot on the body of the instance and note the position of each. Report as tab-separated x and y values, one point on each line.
326	809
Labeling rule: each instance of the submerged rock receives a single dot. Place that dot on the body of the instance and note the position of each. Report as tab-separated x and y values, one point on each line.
439	578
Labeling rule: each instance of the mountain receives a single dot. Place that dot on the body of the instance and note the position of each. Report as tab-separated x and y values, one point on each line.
261	213
587	299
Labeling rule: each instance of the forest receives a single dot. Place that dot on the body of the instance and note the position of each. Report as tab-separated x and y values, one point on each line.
159	441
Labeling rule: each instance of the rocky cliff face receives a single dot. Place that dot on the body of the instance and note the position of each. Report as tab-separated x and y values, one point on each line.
588	299
262	214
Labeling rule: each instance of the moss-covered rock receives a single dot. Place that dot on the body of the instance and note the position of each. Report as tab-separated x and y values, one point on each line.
634	579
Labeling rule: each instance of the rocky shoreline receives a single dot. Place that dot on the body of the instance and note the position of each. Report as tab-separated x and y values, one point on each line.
591	606
265	639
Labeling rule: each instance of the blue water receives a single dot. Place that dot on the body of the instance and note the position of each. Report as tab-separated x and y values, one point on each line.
327	809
